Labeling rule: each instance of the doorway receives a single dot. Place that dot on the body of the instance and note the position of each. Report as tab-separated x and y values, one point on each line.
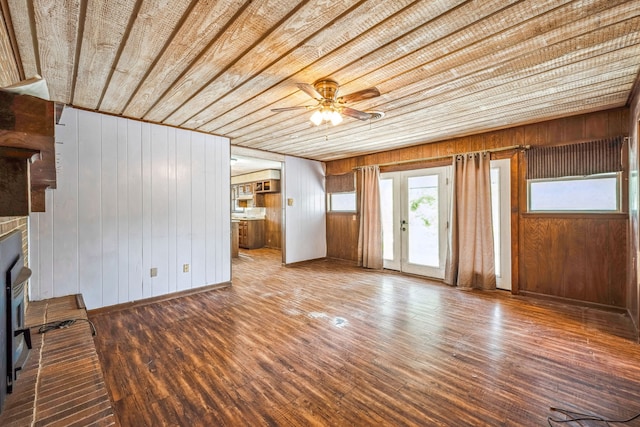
257	214
415	211
415	208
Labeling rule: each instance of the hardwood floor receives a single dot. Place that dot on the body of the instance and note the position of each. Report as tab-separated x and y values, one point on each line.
325	343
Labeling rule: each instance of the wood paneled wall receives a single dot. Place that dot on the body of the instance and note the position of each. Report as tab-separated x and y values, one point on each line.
342	231
579	242
575	258
132	196
273	220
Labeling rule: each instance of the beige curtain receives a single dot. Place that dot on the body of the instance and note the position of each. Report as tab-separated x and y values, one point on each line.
370	235
470	259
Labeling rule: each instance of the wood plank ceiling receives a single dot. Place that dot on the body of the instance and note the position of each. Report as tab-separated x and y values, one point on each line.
444	68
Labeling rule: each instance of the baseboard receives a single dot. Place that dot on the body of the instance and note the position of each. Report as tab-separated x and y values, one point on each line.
344	261
152	300
306	261
575	302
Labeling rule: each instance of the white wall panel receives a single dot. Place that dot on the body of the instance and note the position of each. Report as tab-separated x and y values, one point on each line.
223	211
159	210
109	209
89	209
198	210
123	212
306	220
65	204
147	260
132	196
183	207
172	238
134	202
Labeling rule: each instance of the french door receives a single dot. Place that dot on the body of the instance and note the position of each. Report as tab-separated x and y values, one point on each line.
501	216
414	215
415	211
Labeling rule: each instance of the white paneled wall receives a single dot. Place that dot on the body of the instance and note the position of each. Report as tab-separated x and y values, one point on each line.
131	196
306	220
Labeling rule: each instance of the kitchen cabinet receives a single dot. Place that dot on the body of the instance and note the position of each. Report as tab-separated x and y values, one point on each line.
268	186
251	233
245	189
235	236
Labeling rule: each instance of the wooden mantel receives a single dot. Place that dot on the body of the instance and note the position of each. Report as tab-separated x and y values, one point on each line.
27	150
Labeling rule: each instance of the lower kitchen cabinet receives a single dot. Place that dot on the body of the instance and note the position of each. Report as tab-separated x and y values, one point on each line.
251	233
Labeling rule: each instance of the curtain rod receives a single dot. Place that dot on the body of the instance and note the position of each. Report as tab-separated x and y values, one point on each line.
424	159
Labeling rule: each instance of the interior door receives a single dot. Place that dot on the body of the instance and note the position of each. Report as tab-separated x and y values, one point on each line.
414	214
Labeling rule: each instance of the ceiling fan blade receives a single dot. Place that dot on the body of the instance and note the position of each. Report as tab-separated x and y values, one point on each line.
371	92
298	107
360	115
309	90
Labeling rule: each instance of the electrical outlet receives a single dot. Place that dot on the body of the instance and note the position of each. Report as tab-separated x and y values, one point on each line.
154	272
185	268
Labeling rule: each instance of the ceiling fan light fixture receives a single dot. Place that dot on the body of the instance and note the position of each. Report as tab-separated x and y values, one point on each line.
327	114
336	118
316	118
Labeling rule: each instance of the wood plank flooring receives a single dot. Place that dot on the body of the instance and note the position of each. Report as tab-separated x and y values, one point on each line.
328	344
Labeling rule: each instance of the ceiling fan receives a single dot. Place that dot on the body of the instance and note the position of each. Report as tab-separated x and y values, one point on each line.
330	106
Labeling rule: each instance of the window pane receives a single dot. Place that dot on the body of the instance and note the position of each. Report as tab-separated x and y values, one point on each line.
386	212
495	216
343	202
423	218
575	194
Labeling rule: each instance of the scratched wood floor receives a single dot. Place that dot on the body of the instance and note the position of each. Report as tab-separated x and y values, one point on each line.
328	344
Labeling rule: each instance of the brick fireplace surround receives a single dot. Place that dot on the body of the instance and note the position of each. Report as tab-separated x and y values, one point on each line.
61	382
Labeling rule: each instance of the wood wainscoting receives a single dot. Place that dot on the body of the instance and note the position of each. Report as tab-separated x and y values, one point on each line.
343	229
326	343
573	257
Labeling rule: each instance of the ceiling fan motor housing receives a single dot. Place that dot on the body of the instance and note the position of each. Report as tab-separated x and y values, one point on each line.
326	88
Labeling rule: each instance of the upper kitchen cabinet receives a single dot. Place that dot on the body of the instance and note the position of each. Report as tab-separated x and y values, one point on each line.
268	186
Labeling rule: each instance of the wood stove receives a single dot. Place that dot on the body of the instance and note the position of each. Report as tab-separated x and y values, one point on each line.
15	338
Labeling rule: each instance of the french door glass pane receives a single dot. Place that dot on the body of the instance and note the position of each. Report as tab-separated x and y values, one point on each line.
424	245
495	214
386	208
